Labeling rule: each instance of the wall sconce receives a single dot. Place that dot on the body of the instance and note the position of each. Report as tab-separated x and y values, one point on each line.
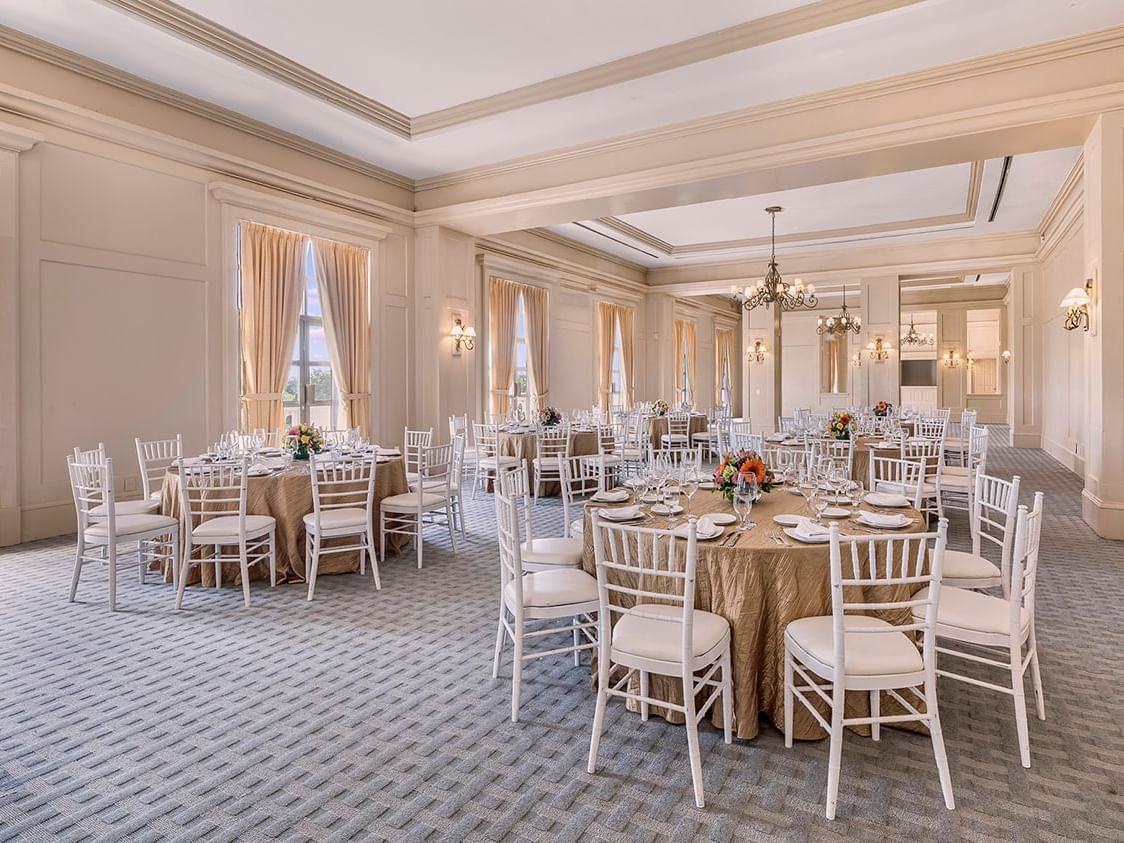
857	360
756	353
463	337
1076	304
951	358
1006	355
970	361
879	350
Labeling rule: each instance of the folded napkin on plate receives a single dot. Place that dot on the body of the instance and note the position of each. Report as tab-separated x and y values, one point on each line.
807	530
884	499
704	529
621	513
777	437
612	496
884	519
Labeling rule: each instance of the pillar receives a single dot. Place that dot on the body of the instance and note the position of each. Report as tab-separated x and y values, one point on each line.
1024	372
882	317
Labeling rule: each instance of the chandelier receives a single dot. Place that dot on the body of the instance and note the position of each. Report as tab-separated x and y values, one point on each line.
842	323
772	288
912	337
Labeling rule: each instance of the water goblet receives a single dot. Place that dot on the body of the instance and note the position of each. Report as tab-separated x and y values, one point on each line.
745	493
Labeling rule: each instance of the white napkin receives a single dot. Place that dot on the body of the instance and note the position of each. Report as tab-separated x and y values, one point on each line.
884	519
612	496
884	499
777	437
806	530
621	513
389	452
257	471
704	529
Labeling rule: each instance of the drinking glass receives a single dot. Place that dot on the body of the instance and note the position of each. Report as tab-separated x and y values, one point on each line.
745	493
689	483
821	500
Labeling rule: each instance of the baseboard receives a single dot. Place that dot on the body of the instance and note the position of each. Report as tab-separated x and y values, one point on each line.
1105	517
1026	440
1064	455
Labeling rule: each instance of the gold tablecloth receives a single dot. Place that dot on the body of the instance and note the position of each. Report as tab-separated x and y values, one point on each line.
287	496
523	444
759	587
698	424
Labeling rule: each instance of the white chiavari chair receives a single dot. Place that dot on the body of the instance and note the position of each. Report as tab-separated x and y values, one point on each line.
552	444
92	456
213	503
579	481
155	457
709	439
932	429
633	445
675	456
427	504
787	424
101	527
957	439
607	463
845	651
1003	627
994	507
458	426
343	497
413	443
646	579
489	461
838	454
678	430
895	476
529	596
958	482
929	453
781	459
539	553
98	456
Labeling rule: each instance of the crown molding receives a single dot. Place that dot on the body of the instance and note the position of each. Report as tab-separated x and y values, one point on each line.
852	233
205	33
252	199
496	252
99	72
586	249
744	36
92	124
15	139
1065	212
685	134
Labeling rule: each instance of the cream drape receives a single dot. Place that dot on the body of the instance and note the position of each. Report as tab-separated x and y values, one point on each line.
684	345
272	288
503	304
538	346
723	355
626	318
343	271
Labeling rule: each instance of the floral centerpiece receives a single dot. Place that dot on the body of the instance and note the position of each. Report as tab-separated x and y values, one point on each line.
736	465
660	407
883	409
842	425
550	416
304	440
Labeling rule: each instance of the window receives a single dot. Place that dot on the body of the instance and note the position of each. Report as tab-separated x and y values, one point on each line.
688	387
311	394
521	386
617	385
724	396
834	363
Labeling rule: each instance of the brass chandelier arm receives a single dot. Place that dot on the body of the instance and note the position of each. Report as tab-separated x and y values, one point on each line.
772	289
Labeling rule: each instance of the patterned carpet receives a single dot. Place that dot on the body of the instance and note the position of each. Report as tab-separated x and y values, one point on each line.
369	715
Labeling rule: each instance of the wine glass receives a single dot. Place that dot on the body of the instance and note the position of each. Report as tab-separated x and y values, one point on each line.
745	493
689	484
820	500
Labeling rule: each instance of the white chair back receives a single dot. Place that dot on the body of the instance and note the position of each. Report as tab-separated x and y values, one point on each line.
487	437
341	484
413	443
212	490
580	478
511	485
91	483
931	429
993	517
94	456
894	476
928	452
977	449
553	441
678	424
1024	564
155	457
837	454
787	424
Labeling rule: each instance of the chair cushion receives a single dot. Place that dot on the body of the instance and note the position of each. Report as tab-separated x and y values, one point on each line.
493	462
674	437
973	611
552	551
227	525
629	453
157	495
866	654
577	527
408	502
960	565
709	435
128	525
141	507
955	482
546	589
609	459
638	633
337	519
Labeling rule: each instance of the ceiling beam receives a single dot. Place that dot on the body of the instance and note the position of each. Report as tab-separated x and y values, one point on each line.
1042	97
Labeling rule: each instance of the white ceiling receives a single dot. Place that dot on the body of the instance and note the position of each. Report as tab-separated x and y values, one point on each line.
417	56
891	203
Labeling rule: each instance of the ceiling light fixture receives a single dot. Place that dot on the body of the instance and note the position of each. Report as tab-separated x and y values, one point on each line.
772	288
912	337
842	323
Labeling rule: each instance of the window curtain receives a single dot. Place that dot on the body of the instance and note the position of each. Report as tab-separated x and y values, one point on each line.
684	345
606	321
626	318
272	287
343	271
723	356
538	345
503	304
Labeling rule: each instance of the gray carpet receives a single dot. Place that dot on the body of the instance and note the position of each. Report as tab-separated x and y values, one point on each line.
369	715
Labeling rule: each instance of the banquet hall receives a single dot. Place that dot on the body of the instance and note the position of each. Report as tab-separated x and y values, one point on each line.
600	421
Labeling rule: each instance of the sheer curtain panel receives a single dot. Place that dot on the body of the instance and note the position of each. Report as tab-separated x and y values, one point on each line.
503	304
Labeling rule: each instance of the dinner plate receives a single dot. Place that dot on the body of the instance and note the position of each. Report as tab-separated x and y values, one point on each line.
722	518
707	484
651	497
792	534
903	521
787	520
258	471
660	509
836	512
612	496
882	499
623	513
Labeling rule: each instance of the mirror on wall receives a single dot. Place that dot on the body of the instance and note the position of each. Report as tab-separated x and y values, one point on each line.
834	364
984	346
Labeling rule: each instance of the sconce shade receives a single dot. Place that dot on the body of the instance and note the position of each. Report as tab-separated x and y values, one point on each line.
1077	297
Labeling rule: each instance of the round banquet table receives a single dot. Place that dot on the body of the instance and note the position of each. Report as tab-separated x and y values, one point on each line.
863	448
287	496
760	586
523	444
